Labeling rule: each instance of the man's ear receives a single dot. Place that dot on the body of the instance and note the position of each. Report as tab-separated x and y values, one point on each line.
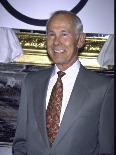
81	41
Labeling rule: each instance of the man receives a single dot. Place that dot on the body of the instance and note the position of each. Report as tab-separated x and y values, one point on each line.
86	115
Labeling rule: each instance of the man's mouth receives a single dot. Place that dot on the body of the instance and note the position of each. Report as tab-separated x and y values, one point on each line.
58	50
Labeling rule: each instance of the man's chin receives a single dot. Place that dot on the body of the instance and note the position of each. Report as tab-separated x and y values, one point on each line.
60	63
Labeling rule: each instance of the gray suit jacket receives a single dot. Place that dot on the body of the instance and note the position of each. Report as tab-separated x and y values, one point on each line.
87	125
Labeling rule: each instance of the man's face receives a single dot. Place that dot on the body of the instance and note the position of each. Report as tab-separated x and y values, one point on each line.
62	41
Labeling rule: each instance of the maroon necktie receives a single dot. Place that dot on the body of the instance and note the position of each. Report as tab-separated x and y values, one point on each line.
54	108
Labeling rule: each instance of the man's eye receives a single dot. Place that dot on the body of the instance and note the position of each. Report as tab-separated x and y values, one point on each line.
64	33
50	34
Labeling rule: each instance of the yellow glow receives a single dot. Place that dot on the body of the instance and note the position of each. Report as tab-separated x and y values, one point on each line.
34	47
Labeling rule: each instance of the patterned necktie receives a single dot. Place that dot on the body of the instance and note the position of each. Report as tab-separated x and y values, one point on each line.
54	108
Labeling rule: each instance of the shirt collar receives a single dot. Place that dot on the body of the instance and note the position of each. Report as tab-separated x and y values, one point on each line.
71	69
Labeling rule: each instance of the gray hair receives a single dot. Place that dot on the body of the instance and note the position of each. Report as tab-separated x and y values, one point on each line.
77	21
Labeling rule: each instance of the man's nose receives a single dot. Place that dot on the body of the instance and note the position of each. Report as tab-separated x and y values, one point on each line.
56	40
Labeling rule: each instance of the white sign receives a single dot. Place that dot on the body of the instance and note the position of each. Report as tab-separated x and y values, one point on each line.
97	15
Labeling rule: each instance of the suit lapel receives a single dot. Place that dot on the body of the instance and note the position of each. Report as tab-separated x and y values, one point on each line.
76	102
39	98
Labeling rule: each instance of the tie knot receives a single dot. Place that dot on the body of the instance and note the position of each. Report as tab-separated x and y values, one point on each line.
60	74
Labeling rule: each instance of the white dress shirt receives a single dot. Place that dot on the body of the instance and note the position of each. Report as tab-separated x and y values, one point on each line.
68	83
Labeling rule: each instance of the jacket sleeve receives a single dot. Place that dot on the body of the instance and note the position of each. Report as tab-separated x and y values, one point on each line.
19	143
106	130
